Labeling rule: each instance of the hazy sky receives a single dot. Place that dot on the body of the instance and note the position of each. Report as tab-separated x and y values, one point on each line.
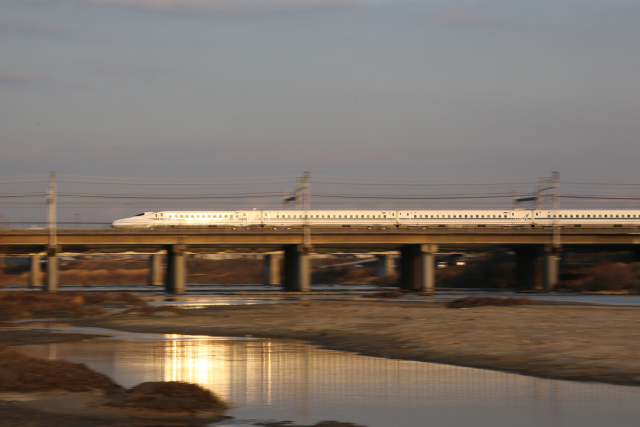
366	88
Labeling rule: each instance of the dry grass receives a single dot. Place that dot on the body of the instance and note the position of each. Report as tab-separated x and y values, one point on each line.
117	276
392	293
19	373
483	301
25	305
613	276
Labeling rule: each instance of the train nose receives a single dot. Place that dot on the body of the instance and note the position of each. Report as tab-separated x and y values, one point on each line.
122	223
116	224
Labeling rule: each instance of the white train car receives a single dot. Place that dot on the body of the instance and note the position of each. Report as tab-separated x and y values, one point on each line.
383	218
330	218
466	218
587	217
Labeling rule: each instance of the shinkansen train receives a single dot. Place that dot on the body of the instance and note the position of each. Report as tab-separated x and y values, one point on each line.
383	218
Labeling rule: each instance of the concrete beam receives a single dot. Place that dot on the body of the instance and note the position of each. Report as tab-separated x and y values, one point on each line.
176	269
385	265
297	268
272	274
550	268
155	270
52	281
35	275
417	267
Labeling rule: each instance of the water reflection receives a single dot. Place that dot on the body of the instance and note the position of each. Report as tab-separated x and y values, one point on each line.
284	380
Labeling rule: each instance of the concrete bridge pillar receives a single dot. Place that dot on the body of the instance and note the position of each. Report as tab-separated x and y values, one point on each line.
297	268
155	270
550	269
35	275
385	265
272	269
417	267
52	282
176	269
537	267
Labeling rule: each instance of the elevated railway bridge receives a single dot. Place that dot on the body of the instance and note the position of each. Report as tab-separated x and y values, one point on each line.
417	248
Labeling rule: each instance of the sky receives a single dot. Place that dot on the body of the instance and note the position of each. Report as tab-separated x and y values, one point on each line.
384	89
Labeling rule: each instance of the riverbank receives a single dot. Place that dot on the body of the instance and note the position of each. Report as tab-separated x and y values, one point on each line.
560	341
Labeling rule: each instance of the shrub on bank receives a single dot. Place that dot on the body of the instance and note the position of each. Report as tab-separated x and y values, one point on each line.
484	301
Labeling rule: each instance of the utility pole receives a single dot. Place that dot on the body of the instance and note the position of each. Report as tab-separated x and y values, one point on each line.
302	195
52	210
555	185
305	186
52	249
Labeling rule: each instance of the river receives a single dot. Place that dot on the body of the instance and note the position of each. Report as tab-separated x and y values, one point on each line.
268	380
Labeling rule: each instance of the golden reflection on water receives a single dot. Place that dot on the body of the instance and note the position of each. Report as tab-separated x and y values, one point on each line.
277	378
